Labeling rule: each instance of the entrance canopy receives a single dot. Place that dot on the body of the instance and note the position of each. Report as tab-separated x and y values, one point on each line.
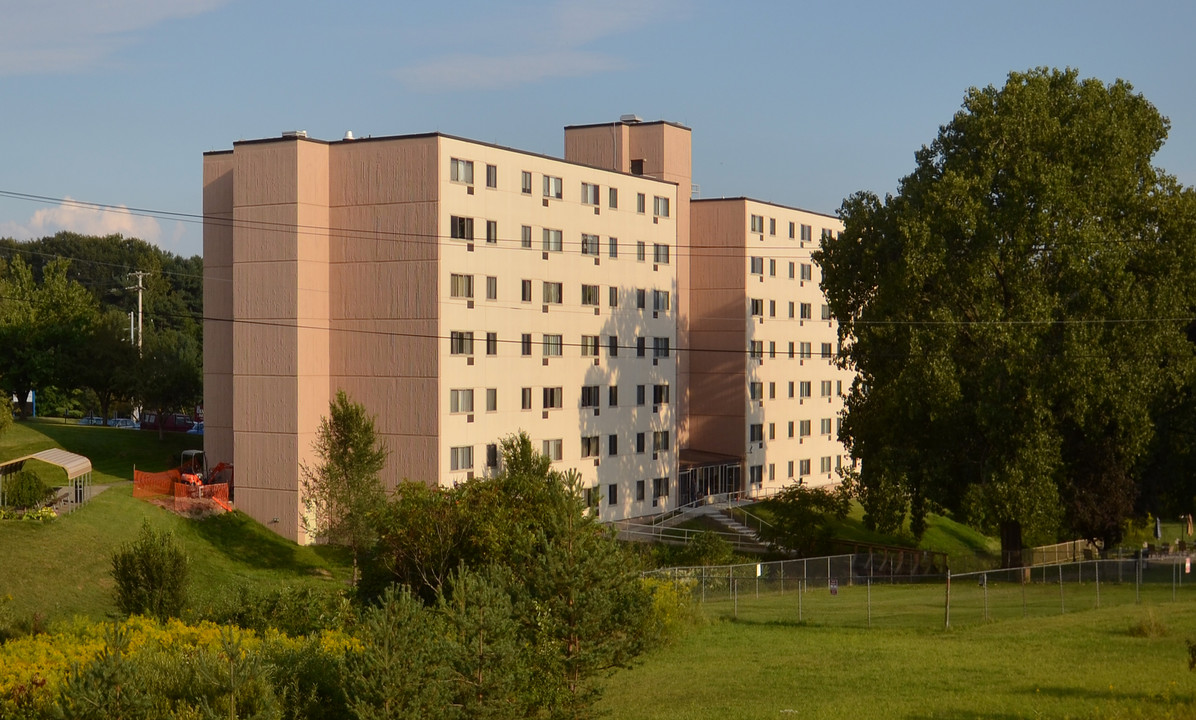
77	467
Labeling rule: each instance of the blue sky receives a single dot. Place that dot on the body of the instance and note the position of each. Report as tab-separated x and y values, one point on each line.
794	103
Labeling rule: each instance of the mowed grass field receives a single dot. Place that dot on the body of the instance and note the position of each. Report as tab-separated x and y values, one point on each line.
61	569
1080	664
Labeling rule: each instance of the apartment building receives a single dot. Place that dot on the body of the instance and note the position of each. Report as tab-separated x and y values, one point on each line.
762	347
661	347
461	291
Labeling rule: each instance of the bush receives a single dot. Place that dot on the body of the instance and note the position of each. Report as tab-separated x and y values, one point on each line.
25	490
292	610
151	575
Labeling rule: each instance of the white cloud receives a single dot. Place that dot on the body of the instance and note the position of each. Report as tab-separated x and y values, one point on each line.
58	36
551	45
85	220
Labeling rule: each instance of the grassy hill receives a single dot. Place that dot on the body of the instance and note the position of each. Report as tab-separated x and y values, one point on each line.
60	569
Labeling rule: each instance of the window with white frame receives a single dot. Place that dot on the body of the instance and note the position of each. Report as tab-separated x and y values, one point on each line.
806	233
461	286
824	426
461	401
552	345
660	206
803	467
461	458
461	171
807	271
803	389
824	465
806	350
825	386
803	428
553	187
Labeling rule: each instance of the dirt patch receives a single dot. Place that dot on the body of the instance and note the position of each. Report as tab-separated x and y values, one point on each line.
192	508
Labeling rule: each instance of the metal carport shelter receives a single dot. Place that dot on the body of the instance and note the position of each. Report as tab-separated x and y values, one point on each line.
77	467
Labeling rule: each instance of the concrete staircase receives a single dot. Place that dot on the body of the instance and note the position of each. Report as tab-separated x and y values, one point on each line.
749	539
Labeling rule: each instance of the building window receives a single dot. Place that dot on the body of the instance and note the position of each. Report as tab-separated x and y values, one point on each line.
525	237
660	300
461	228
660	394
824	426
461	458
589	294
553	399
552	449
614	296
461	171
461	401
590	245
803	428
640	298
772	472
553	292
492	231
612	345
640	395
612	245
828	234
757	265
591	499
525	344
612	396
612	494
825	464
491	399
756	475
660	441
791	389
792	227
660	206
639	442
806	233
772	390
589	346
756	390
806	313
660	487
756	432
461	286
792	267
525	290
660	347
826	312
552	346
460	343
492	455
491	343
639	251
803	388
491	176
639	489
612	444
807	271
772	431
590	446
826	350
825	387
806	353
803	467
757	349
756	307
640	203
553	187
772	267
660	253
589	194
491	287
791	354
641	347
613	199
758	224
552	240
772	308
772	226
791	435
525	398
526	183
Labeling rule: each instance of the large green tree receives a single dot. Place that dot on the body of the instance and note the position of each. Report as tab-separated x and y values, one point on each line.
343	491
1016	310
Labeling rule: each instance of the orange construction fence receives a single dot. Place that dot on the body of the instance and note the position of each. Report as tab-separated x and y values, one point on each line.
172	484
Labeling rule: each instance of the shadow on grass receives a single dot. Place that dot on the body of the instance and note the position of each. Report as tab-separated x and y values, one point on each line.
1114	695
243	540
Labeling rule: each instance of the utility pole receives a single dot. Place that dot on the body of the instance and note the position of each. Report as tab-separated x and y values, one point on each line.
139	274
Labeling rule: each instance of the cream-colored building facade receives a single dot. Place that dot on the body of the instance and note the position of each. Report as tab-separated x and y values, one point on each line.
463	292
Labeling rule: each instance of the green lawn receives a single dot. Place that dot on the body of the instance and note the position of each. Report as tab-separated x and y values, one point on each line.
60	569
1082	664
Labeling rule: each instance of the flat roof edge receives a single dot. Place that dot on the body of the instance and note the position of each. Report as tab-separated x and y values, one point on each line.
742	198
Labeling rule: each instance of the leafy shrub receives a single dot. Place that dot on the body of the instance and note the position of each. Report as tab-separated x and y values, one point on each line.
292	610
1150	626
707	548
25	490
151	575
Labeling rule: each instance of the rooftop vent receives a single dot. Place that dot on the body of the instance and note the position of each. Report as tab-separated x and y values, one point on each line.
349	135
295	134
630	119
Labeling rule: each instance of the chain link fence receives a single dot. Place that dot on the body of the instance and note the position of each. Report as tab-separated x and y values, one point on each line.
855	590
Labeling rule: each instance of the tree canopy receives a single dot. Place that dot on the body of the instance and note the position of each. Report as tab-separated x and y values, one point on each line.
1017	311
